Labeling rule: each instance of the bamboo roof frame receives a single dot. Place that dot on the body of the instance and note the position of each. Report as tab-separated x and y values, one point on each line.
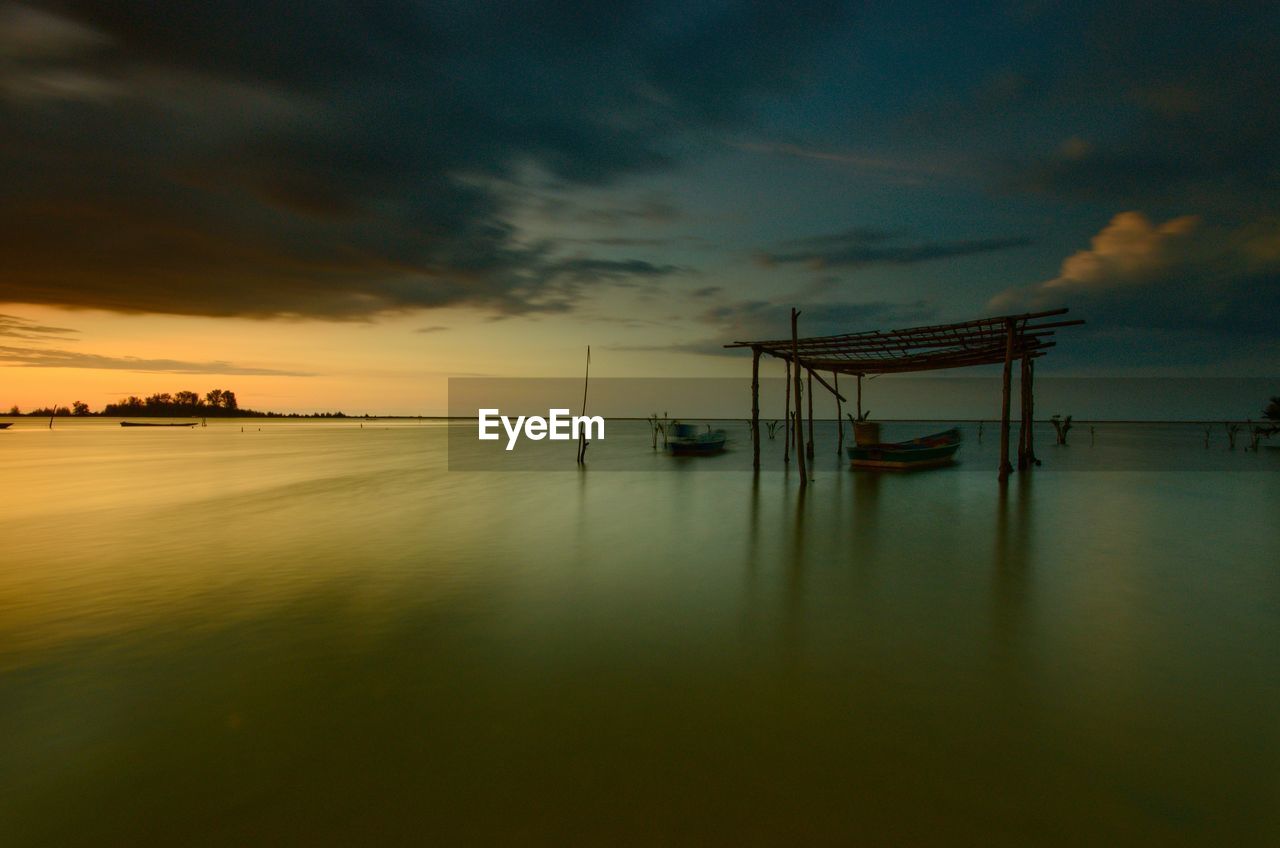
928	348
999	339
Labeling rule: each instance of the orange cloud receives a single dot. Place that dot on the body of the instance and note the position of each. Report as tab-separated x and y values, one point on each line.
1177	273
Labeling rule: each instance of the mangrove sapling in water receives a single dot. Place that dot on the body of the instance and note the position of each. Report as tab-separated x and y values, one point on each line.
1061	426
659	426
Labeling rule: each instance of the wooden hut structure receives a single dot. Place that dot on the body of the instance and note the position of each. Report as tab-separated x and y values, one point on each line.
1002	339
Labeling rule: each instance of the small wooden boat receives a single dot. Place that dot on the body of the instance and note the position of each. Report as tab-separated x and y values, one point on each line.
149	424
687	441
924	452
5	425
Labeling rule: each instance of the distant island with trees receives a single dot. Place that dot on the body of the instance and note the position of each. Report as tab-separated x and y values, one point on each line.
216	403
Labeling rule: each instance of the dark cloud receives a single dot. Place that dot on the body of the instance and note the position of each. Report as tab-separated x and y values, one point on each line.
14	327
750	320
861	246
587	269
895	169
1172	107
621	241
1176	109
1179	274
755	320
433	329
45	358
706	291
344	159
651	210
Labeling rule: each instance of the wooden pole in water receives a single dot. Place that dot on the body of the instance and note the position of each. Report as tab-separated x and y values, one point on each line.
786	418
755	407
835	379
1010	332
1031	412
795	356
582	434
797	432
1022	413
808	450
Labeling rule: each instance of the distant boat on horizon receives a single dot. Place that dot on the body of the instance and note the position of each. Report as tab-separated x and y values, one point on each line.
150	424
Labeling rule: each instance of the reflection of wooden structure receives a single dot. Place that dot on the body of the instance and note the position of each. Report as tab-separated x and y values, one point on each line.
1002	339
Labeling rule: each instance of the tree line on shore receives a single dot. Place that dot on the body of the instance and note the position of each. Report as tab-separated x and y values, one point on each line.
222	403
217	403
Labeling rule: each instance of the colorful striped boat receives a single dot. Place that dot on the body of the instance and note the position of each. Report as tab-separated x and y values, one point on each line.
924	452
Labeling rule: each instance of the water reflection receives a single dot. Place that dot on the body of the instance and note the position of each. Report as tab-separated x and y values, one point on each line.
866	516
751	619
312	635
1012	566
794	566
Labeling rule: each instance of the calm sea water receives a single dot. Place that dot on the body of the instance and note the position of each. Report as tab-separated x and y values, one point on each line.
313	633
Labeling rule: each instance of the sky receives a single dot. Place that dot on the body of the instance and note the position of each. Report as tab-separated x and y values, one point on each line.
340	205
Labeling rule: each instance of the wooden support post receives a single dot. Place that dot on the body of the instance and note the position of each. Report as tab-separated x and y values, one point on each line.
1031	413
1010	334
755	408
835	379
808	450
786	418
797	431
1025	459
795	357
1022	413
859	397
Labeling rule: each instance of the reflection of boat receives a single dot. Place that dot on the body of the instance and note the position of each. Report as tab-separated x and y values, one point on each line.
149	424
924	452
687	441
